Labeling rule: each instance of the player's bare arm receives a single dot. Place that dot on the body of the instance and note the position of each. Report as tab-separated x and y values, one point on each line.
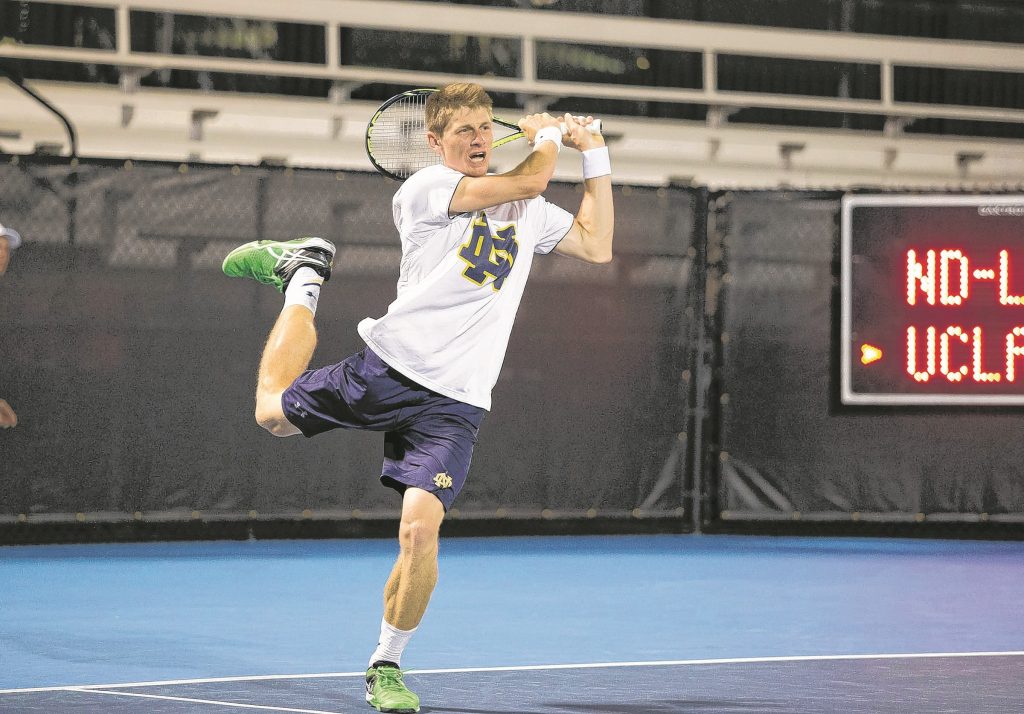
525	181
590	238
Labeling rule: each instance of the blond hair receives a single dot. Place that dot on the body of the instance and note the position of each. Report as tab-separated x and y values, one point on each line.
446	102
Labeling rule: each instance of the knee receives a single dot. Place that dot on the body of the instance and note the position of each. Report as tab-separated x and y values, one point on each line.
277	427
418	537
274	421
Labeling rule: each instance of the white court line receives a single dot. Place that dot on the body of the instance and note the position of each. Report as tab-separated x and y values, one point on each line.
199	701
171	682
731	660
529	668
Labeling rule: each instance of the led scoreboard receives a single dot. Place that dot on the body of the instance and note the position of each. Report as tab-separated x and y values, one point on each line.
932	300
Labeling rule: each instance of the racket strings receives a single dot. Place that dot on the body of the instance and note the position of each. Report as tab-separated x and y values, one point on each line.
397	138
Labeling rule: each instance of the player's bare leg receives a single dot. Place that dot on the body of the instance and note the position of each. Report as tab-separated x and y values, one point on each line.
406	595
414	576
287	353
296	268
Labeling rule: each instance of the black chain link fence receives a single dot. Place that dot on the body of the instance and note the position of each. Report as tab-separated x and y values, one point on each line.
131	360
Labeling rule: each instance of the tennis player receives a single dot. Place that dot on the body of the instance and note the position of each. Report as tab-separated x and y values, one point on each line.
426	374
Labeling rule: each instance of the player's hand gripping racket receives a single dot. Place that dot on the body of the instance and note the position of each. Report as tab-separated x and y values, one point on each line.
396	135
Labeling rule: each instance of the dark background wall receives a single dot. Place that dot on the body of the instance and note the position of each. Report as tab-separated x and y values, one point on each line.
702	360
131	359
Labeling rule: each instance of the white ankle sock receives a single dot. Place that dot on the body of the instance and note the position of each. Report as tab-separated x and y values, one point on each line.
304	289
392	642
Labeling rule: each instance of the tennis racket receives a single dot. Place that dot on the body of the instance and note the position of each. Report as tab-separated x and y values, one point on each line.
396	141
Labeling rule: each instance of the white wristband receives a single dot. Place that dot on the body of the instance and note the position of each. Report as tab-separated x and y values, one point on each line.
596	163
548	133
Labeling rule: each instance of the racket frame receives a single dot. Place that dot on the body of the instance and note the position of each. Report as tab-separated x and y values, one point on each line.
517	132
373	121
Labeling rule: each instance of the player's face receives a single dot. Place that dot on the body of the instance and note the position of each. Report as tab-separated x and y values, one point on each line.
466	143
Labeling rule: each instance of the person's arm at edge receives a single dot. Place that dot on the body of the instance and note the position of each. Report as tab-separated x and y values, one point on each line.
7	416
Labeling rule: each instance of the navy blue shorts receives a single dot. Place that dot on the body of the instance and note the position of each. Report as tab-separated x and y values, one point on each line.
428	438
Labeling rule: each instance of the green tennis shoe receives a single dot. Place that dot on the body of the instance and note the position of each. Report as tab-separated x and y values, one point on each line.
275	262
386	692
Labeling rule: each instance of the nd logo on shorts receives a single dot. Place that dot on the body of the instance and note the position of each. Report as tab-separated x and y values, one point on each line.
443	481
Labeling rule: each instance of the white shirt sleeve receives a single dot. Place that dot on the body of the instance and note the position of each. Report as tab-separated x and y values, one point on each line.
421	205
552	224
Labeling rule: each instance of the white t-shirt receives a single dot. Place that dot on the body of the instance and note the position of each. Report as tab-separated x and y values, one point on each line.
460	285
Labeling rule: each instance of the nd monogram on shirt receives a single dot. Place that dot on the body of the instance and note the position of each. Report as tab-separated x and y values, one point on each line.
489	254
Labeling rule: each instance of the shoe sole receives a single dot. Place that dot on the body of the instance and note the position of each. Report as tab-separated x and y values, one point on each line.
369	700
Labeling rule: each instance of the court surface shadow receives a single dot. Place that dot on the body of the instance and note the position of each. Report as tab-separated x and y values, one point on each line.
647	707
667	706
462	710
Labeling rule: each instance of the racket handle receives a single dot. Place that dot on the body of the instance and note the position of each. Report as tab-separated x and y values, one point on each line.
594	127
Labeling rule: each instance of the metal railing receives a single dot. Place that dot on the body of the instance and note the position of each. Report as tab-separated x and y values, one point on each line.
531	26
135	121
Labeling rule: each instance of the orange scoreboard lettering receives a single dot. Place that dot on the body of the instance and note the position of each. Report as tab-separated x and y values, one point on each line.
932	300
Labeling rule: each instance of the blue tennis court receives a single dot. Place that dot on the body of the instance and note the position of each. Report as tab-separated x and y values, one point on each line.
527	625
